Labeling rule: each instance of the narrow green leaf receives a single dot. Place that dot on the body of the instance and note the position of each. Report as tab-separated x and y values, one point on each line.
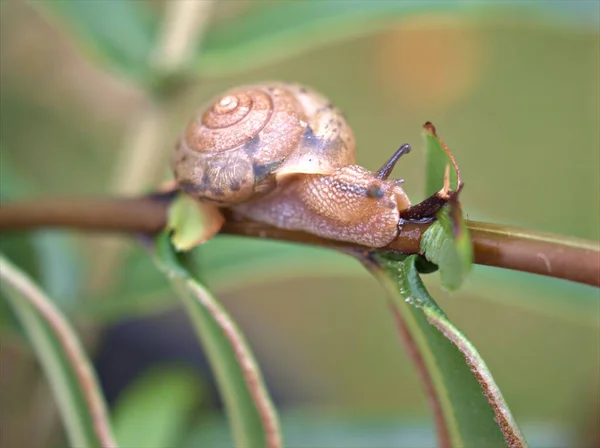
468	406
120	33
276	31
154	410
251	413
69	371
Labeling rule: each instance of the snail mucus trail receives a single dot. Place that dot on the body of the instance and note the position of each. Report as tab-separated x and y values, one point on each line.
283	155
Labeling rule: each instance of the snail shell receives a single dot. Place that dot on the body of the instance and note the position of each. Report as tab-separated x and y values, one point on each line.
249	139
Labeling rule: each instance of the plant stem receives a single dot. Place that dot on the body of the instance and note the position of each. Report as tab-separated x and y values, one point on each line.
143	157
183	28
494	245
536	252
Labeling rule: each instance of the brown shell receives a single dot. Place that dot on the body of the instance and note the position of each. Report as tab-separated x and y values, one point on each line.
249	138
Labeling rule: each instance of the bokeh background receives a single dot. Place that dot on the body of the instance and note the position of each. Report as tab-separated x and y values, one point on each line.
514	93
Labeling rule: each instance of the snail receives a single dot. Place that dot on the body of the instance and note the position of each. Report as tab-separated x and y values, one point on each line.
283	155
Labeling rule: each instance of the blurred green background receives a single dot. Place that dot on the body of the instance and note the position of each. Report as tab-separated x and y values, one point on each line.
515	94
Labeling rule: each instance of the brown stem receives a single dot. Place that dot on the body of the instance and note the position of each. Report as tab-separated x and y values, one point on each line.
494	245
135	215
539	253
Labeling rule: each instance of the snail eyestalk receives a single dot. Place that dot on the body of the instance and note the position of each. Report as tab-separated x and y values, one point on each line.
387	168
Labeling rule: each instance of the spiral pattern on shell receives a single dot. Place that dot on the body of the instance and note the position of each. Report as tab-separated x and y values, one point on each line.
233	147
249	111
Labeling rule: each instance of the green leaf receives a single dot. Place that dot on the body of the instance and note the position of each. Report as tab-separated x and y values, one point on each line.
69	371
276	31
227	263
564	302
437	159
154	410
251	413
230	262
309	427
468	406
273	32
61	265
191	223
447	243
451	251
120	33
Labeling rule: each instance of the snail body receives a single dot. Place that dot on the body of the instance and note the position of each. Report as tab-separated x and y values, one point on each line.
282	154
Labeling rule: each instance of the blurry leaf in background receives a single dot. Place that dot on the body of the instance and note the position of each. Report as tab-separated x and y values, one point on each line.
33	123
119	33
252	416
273	31
309	428
468	407
60	265
58	350
12	183
50	256
155	410
566	302
231	263
228	263
21	247
248	40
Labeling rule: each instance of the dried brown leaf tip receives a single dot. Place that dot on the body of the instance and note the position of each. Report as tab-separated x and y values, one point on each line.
430	128
427	209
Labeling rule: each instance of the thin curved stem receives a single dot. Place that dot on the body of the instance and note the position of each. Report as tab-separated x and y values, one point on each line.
494	245
142	158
